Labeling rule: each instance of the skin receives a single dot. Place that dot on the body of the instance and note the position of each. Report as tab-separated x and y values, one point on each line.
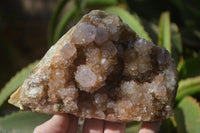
65	123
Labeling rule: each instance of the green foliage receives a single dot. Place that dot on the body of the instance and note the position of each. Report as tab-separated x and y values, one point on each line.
63	22
181	39
133	127
187	116
190	68
189	86
167	126
15	82
164	31
93	3
176	41
53	21
22	122
176	38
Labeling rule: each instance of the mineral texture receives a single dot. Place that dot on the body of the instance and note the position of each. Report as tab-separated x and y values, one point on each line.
102	69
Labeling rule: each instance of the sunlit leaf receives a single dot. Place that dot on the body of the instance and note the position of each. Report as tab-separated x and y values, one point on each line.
188	86
15	82
187	116
180	63
131	20
164	38
22	122
190	68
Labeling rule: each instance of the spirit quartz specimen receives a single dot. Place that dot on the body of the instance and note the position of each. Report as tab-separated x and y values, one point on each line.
102	69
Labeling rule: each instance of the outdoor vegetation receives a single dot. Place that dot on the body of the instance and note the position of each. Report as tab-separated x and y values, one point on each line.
173	24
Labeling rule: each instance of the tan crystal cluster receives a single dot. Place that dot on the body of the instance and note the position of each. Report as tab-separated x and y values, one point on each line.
102	69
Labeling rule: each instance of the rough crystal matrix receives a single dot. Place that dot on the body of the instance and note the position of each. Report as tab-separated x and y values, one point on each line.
102	69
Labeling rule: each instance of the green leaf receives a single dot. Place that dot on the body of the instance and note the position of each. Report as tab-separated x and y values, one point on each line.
132	20
15	82
53	20
187	116
167	126
164	38
188	86
176	37
63	22
77	4
133	127
176	41
190	68
22	122
180	64
92	3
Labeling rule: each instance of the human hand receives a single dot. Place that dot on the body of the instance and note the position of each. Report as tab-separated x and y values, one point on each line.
65	123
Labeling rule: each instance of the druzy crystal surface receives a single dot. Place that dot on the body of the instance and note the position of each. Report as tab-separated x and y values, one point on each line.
102	69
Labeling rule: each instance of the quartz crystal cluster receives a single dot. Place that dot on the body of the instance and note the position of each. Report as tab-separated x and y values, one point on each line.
102	69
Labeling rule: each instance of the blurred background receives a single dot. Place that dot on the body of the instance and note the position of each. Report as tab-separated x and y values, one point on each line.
29	27
23	33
